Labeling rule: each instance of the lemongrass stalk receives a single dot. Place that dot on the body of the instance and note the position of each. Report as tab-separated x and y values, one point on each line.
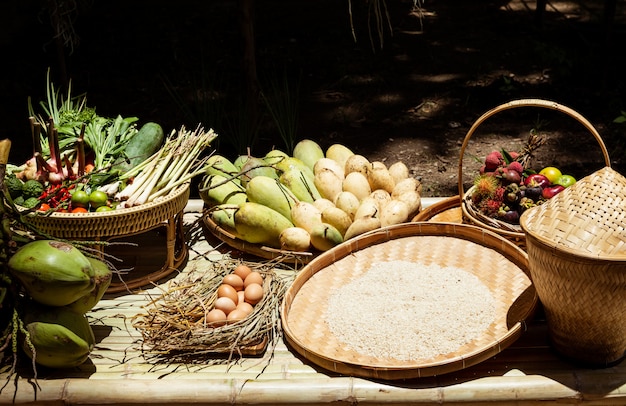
128	191
149	186
174	184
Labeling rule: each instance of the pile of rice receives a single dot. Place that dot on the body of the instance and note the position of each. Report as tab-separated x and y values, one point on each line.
407	311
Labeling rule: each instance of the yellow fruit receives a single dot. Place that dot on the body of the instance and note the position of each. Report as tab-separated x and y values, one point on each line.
551	173
259	224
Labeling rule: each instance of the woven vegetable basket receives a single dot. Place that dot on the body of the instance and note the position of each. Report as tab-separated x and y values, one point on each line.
471	215
577	258
103	226
497	263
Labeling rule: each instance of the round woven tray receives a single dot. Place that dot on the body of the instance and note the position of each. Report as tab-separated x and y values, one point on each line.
445	244
114	223
447	210
471	215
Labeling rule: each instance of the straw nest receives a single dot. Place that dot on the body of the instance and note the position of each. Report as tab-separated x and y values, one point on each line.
173	326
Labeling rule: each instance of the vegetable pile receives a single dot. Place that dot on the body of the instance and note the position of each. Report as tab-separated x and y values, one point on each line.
83	162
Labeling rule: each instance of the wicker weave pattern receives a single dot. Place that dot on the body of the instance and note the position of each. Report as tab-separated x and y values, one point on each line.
497	262
116	223
576	248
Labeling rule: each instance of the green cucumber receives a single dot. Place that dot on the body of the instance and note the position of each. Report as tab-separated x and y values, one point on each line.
147	141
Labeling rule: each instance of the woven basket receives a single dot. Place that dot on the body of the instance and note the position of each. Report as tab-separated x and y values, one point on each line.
471	215
114	223
496	262
577	257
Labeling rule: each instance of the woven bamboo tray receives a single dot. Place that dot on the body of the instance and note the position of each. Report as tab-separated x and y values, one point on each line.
467	247
447	210
104	226
471	215
577	256
257	250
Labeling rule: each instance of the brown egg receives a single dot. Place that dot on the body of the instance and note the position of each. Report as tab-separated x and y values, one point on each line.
241	297
234	280
245	307
215	318
228	291
224	304
242	271
236	315
253	293
253	277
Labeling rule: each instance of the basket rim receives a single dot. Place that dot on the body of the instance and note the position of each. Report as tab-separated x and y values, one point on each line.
469	233
177	193
466	201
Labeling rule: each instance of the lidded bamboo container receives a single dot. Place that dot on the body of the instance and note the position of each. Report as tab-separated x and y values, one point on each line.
576	244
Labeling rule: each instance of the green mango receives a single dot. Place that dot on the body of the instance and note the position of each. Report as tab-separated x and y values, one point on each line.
308	151
259	224
301	184
219	165
271	193
216	189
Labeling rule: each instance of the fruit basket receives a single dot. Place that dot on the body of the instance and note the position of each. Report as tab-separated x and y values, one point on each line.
578	265
471	214
498	264
108	225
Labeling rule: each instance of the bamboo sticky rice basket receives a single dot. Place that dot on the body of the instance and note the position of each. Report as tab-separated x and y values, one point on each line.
577	256
445	244
472	215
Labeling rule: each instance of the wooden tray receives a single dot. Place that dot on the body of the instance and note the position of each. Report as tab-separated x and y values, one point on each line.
445	244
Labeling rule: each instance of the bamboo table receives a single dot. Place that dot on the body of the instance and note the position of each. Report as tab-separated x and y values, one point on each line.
526	373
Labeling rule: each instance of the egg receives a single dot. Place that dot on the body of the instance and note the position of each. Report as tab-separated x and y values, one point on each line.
236	315
234	280
242	271
253	293
241	297
253	277
245	307
215	318
228	291
224	304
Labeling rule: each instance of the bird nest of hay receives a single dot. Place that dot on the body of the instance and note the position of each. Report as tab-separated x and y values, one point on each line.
174	325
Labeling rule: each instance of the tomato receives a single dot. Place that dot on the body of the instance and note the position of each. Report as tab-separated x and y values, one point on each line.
98	198
44	207
79	210
80	198
551	173
565	180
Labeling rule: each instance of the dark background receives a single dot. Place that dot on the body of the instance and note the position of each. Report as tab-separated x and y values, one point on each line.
179	63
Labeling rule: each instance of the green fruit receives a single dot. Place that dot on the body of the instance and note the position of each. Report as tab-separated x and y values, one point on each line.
259	224
271	193
565	180
98	198
219	165
325	236
256	167
52	272
308	151
224	216
103	276
301	184
217	189
80	198
62	338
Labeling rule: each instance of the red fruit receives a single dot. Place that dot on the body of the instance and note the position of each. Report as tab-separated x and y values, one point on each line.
551	191
516	166
513	154
537	179
493	160
511	176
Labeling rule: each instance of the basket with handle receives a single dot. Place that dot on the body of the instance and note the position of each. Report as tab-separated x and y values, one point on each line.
471	215
576	245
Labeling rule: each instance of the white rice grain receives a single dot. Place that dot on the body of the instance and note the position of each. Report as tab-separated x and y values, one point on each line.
407	311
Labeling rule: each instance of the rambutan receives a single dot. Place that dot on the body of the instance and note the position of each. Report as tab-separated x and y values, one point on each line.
485	185
493	160
516	166
490	207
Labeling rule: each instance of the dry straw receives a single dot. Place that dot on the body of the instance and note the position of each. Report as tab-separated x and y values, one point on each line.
471	215
174	327
577	255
